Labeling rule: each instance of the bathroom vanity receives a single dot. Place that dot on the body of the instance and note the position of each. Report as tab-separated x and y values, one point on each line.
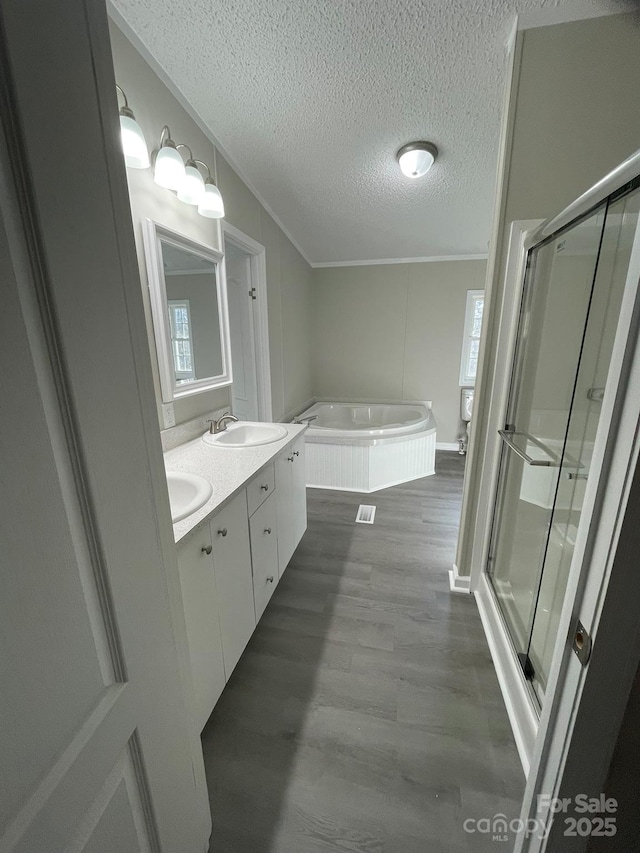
234	549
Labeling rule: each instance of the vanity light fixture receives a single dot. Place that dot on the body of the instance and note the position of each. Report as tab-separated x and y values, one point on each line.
168	169
191	189
134	145
211	204
416	158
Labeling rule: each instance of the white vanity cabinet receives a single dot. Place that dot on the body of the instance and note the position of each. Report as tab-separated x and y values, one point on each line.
232	563
201	600
291	499
263	526
214	562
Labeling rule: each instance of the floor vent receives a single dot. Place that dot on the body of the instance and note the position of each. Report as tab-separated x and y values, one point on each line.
366	514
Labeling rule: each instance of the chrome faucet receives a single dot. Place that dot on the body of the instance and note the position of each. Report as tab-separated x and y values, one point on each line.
305	420
221	424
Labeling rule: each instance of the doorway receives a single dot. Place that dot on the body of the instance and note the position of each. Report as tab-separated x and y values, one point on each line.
244	262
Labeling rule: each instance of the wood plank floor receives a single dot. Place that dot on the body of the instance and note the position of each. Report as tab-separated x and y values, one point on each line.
365	714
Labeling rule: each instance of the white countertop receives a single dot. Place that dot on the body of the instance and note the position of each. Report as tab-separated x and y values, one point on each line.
228	469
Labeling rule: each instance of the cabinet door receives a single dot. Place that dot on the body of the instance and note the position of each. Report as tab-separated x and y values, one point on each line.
298	493
284	503
264	553
291	494
232	562
200	599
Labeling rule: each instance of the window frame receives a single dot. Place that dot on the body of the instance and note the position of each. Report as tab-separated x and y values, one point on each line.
473	296
181	375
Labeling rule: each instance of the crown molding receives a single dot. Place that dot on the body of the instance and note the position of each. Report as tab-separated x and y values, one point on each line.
376	261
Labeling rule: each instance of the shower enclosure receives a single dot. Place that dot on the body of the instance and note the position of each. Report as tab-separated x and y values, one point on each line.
574	284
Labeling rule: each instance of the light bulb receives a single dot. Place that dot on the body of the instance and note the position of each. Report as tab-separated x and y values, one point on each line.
211	204
191	189
169	171
417	158
136	155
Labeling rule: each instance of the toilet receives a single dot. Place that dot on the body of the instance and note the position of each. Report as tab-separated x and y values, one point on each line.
466	409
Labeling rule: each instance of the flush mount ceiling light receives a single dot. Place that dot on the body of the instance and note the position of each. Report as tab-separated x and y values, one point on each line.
134	145
211	204
168	170
416	158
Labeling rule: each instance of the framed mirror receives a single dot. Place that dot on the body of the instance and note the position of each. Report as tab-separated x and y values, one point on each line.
189	310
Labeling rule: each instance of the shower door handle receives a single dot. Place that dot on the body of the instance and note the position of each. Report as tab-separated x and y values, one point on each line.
505	435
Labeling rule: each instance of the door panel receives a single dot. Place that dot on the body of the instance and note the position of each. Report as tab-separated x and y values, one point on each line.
90	668
243	355
232	561
264	553
591	379
571	308
200	597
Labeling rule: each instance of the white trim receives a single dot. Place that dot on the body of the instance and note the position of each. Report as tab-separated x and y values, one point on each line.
519	237
465	380
571	10
375	261
447	445
261	313
517	698
154	233
481	398
457	583
118	19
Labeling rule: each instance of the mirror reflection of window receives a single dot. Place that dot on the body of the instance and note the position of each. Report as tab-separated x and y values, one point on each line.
181	345
191	286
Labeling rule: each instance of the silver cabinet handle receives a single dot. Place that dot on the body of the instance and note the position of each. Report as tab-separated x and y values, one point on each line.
267	530
223	532
270	579
296	453
265	487
289	458
206	549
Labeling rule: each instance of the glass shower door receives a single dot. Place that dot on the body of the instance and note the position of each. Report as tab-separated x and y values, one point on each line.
569	314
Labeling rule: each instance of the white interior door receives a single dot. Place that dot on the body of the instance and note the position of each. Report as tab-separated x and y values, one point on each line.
241	326
97	752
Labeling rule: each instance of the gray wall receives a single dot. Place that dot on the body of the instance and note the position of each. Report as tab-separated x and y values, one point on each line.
393	331
575	117
288	274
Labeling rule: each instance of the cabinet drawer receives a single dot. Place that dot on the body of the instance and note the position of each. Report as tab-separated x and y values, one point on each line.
260	488
264	553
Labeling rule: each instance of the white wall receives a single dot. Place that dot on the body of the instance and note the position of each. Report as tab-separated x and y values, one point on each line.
288	274
393	331
574	116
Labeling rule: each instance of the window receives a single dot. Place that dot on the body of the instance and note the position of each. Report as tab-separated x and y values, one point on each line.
181	343
471	339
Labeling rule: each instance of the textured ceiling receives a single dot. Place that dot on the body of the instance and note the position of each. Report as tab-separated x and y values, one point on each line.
312	98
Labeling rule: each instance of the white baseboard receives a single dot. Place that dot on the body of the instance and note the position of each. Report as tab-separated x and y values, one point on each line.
447	445
519	704
458	583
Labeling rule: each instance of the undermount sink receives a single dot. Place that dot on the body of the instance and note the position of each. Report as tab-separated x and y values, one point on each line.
245	434
187	493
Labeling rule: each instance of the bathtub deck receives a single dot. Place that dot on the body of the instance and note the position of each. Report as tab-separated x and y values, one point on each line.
365	714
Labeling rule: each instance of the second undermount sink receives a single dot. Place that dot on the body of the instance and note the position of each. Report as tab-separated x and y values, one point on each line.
187	493
246	434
